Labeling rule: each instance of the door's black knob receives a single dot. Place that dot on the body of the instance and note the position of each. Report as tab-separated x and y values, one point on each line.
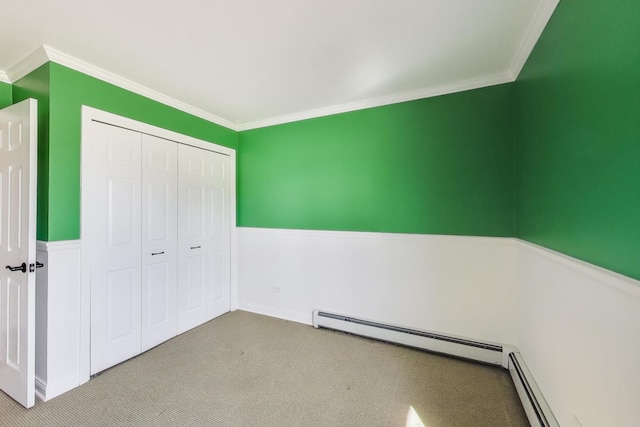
22	268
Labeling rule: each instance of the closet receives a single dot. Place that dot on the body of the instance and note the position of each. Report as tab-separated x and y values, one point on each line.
159	240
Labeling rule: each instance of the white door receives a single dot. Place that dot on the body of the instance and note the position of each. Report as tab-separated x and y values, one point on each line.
114	240
18	167
219	234
204	239
159	240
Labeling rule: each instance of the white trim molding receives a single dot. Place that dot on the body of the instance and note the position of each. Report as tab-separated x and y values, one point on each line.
536	27
608	278
4	78
44	54
26	65
268	310
429	92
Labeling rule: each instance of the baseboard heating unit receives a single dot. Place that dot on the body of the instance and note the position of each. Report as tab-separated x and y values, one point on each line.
536	408
425	340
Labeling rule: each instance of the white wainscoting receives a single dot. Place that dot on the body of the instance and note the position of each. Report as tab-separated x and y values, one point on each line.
450	284
576	326
57	318
578	330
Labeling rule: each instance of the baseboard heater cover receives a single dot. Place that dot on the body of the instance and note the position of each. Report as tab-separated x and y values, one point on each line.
535	406
456	346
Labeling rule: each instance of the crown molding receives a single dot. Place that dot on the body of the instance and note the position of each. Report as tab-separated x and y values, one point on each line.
109	77
44	54
29	63
531	36
536	27
477	83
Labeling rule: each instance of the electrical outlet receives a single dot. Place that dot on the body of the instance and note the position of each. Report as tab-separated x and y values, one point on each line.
275	290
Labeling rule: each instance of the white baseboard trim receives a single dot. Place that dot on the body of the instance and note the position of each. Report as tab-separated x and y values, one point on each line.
294	316
46	391
41	389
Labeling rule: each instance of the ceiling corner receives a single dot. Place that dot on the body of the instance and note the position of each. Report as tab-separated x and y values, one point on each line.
531	36
4	78
429	92
32	61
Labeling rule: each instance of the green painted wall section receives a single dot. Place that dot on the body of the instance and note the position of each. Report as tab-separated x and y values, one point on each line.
37	85
69	91
578	136
5	95
441	165
553	159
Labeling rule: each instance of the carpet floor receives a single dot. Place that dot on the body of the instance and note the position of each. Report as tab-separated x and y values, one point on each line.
244	369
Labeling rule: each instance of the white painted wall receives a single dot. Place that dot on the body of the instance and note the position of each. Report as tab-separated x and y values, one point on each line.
578	331
451	284
576	325
58	326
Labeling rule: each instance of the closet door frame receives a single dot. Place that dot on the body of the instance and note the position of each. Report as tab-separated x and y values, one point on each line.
89	115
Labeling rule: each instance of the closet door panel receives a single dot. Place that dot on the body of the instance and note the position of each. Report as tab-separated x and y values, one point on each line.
114	242
159	241
218	279
121	297
196	275
192	269
158	300
203	258
218	185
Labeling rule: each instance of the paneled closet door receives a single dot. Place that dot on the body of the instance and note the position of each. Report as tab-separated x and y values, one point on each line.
114	245
159	240
203	236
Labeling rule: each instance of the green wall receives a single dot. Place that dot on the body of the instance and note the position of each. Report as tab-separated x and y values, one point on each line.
37	85
65	91
69	91
441	165
578	136
553	159
5	95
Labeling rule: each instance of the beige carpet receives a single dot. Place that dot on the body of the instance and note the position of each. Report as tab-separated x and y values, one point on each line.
244	369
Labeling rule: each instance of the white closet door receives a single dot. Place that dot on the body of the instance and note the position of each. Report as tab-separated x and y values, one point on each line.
159	240
114	239
203	236
219	234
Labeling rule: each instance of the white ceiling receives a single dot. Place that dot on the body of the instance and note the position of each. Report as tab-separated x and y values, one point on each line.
249	63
